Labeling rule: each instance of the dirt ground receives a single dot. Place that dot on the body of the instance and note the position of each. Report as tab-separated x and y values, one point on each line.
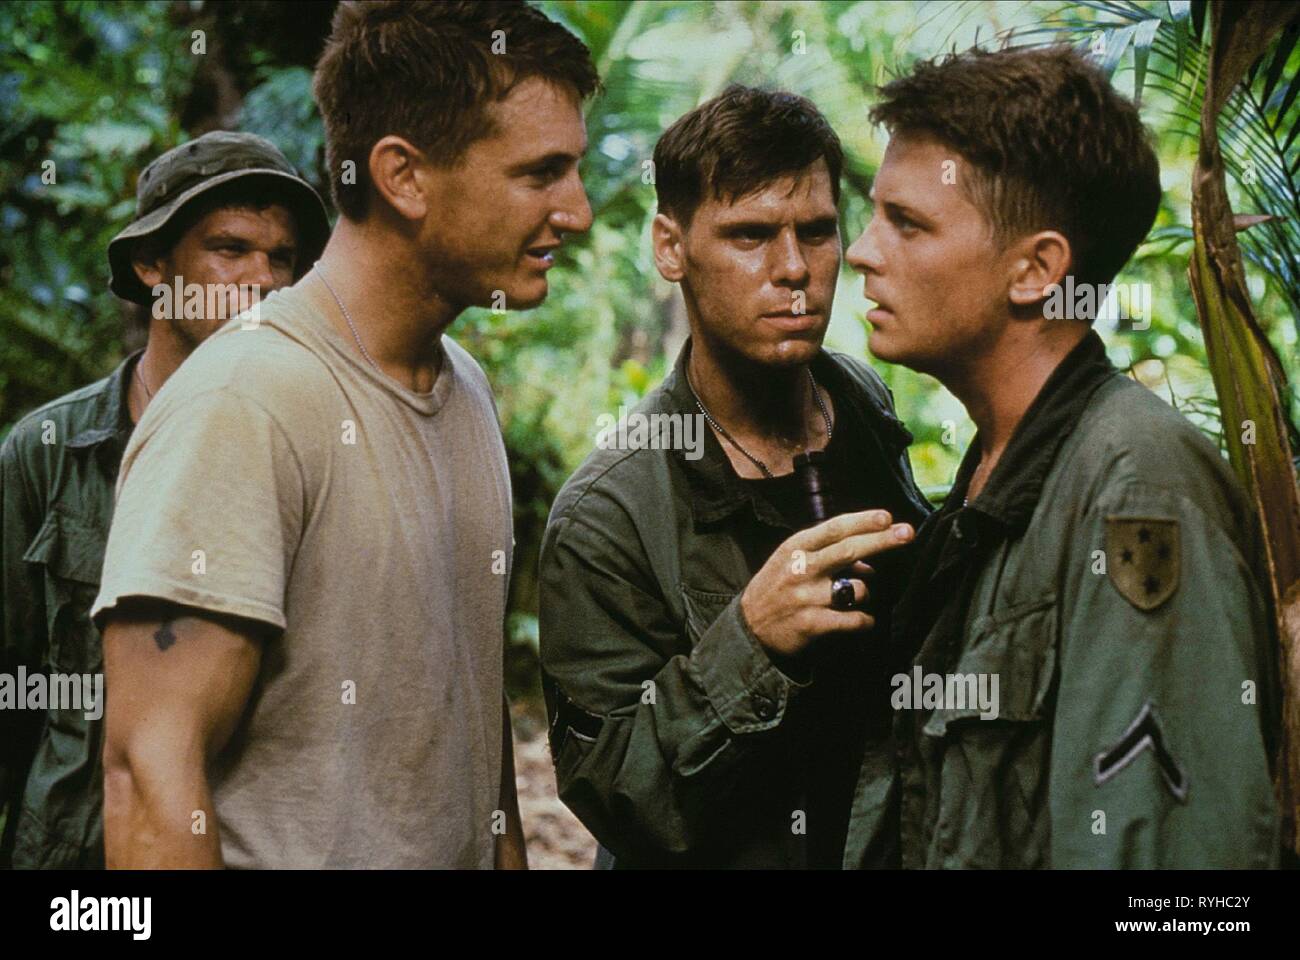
555	838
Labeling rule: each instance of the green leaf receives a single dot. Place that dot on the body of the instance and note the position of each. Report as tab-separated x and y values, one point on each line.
106	138
1142	40
1116	42
1180	11
1282	52
282	110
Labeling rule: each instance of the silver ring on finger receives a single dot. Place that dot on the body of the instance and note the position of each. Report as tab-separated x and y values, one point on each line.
843	595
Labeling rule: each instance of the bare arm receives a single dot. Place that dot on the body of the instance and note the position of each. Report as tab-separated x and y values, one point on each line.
178	682
511	853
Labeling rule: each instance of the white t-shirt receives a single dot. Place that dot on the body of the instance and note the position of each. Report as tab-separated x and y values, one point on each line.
277	476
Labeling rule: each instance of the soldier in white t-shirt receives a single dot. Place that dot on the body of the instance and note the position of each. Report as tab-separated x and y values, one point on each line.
304	591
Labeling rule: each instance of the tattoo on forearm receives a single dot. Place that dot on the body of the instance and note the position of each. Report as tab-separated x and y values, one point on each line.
165	636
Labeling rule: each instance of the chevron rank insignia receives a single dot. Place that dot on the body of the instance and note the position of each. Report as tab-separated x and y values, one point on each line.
1142	559
1143	733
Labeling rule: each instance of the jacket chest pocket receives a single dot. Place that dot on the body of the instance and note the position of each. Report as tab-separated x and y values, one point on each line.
71	554
702	608
992	755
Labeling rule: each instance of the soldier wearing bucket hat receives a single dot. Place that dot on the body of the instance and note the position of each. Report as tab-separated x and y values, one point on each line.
188	175
225	208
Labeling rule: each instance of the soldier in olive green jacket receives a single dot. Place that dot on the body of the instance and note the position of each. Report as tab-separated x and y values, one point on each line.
1108	576
715	672
224	209
1096	568
678	740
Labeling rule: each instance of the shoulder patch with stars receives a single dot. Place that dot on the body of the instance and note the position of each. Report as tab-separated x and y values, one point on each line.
1143	559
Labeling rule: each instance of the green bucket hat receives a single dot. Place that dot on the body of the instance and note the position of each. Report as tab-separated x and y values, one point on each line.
192	169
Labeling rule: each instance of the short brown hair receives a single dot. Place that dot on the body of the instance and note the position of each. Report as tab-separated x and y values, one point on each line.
737	143
1051	143
428	72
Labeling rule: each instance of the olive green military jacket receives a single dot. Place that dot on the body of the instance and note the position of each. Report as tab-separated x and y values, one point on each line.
1109	578
667	716
58	468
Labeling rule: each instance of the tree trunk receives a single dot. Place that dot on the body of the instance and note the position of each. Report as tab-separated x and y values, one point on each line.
1245	368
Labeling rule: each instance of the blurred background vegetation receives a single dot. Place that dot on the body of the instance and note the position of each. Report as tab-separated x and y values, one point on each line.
102	88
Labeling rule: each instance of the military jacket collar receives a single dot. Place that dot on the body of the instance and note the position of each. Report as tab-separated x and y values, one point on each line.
110	419
1016	484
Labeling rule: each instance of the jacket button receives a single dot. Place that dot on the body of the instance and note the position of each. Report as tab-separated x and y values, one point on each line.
764	707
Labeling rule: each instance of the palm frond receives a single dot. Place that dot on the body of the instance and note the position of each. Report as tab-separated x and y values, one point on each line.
1259	128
